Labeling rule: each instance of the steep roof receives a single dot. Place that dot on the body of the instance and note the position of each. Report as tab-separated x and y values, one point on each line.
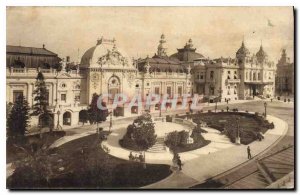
28	50
163	64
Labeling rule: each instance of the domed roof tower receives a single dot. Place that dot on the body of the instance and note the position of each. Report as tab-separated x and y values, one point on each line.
261	55
242	53
105	54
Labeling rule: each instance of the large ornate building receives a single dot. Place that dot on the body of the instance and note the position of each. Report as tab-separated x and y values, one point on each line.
285	75
106	69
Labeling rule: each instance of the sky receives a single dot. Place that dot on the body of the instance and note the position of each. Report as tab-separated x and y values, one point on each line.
215	31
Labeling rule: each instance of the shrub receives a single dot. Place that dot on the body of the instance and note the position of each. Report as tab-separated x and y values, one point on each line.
169	118
176	139
140	134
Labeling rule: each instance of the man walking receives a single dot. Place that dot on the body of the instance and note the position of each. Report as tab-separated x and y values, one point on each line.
249	152
179	163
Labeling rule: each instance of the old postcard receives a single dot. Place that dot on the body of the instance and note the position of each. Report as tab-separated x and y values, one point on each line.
150	98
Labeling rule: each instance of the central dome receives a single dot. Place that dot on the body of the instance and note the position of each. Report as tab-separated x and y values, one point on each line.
106	55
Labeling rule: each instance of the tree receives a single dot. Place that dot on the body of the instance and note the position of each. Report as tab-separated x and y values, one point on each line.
196	134
141	132
18	118
40	108
94	113
176	139
83	116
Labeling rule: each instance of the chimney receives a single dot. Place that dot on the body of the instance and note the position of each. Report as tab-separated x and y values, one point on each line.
43	46
68	58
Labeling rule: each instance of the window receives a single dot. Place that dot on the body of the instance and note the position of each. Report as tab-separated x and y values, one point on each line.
201	75
63	97
156	90
47	97
169	91
212	91
235	72
198	76
211	74
180	91
137	85
228	92
254	76
258	76
77	98
246	75
148	84
16	94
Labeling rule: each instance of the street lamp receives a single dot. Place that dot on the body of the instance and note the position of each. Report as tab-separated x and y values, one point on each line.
217	99
265	104
110	121
58	113
159	109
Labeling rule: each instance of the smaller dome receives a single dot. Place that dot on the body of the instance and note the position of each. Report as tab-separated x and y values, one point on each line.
243	50
261	55
261	52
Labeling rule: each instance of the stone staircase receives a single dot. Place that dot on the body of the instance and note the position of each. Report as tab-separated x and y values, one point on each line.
159	146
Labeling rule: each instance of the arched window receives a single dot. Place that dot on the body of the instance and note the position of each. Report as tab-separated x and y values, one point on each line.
254	76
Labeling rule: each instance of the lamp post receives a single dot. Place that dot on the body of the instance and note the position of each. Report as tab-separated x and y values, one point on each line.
110	121
159	109
265	104
217	99
58	113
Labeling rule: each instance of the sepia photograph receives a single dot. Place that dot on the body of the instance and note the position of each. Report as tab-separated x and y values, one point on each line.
146	98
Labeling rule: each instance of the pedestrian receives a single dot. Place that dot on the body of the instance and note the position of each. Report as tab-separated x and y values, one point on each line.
249	152
227	108
179	163
136	157
141	158
130	156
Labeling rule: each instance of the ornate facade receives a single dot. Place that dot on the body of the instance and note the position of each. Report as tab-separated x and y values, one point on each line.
106	69
285	75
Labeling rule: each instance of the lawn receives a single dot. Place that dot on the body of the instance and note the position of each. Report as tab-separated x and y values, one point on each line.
86	165
251	126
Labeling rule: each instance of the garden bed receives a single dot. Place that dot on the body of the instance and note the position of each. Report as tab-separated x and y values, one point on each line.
251	126
189	147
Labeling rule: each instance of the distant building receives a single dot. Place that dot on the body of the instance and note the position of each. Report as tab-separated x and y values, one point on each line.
242	77
285	75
